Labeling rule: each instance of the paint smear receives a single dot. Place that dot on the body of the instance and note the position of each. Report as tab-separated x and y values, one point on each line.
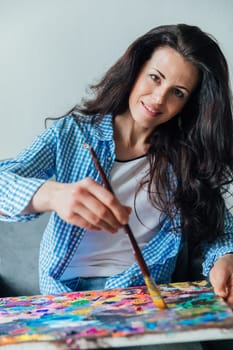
111	313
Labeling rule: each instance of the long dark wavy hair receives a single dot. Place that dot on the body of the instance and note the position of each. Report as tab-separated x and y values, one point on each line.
197	144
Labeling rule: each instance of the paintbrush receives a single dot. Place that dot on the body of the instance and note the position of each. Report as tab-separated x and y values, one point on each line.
149	281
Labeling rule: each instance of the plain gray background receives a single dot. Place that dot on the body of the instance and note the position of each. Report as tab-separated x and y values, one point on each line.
51	50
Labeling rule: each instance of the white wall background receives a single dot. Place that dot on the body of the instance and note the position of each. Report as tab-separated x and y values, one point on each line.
50	50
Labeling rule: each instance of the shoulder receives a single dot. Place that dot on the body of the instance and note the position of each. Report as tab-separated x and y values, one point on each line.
64	123
99	127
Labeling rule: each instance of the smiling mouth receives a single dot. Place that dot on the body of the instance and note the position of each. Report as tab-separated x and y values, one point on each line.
153	111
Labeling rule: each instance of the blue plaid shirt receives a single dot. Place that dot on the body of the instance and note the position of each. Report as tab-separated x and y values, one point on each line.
58	152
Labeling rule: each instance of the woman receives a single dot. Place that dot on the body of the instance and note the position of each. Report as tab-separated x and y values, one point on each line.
161	125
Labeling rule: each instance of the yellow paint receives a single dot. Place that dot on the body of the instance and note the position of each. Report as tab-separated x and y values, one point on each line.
140	301
82	311
155	293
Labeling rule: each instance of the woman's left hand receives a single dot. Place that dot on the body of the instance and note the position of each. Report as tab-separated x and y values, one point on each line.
221	278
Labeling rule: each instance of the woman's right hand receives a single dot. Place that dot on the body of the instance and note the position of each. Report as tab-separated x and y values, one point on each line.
85	203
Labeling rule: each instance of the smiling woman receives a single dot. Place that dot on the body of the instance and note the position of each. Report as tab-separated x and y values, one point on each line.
160	122
162	88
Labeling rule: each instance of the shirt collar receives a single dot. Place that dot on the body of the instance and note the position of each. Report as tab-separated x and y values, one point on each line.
104	128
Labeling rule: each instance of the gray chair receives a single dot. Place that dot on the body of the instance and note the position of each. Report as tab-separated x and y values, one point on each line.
19	252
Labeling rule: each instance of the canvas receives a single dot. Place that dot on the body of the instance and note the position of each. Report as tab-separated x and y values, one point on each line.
119	317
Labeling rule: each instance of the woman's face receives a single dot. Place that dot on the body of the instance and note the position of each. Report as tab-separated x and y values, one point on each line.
162	88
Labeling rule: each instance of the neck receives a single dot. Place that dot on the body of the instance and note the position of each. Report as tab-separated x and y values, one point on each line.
130	140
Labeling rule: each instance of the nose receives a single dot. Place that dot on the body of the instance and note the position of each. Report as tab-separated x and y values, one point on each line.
159	95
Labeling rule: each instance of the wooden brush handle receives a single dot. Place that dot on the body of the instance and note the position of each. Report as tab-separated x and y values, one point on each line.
137	251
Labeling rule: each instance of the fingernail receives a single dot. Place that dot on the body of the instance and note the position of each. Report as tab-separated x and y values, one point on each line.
113	231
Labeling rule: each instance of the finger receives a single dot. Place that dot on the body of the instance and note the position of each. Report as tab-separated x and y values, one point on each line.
95	220
219	282
110	200
94	211
77	220
119	211
229	300
100	212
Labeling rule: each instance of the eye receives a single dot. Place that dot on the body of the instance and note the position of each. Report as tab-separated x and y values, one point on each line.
178	93
155	77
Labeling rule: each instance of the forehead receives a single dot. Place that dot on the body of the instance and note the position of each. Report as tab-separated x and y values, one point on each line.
173	66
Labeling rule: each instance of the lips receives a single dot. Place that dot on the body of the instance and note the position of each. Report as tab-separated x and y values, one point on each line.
151	109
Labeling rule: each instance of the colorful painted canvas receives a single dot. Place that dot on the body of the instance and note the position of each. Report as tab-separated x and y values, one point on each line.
76	318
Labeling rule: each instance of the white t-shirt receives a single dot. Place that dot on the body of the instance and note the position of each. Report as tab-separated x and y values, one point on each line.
103	254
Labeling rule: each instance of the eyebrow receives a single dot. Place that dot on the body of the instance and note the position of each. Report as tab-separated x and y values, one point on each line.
178	86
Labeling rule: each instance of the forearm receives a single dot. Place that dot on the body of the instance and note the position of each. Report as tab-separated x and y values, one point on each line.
44	199
15	194
220	247
85	203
